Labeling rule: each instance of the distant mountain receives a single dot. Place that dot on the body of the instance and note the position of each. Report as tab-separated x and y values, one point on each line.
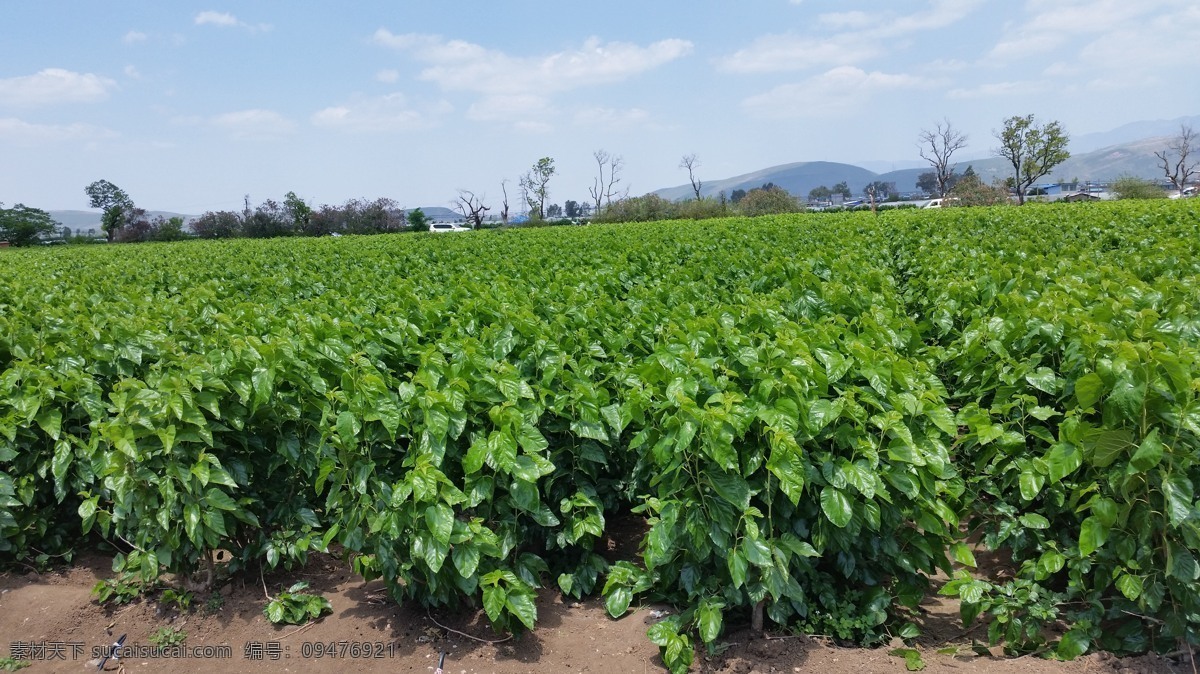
1132	132
1130	157
798	178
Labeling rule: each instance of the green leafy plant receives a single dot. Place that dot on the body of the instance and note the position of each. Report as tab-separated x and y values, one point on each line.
181	600
9	664
214	603
295	607
120	589
168	635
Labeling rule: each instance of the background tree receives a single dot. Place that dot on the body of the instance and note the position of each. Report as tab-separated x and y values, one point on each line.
536	184
115	203
937	147
571	208
1032	150
737	195
22	225
691	162
970	190
1174	159
471	207
842	188
821	193
297	211
504	202
768	200
1132	187
417	221
554	211
217	225
604	188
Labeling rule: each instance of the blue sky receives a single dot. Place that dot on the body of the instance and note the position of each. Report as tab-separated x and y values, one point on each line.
189	106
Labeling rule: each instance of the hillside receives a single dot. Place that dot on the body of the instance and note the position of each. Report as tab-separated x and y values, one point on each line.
1134	158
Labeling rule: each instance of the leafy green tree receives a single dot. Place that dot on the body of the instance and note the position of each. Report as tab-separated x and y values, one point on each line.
571	207
22	225
536	185
821	193
167	229
114	201
417	221
217	225
773	199
297	211
843	189
970	190
737	195
1033	150
1132	187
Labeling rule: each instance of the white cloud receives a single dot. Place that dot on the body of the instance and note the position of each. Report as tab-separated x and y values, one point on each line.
387	76
254	124
834	92
54	85
132	72
464	66
863	37
227	20
1047	25
393	112
994	89
134	36
19	132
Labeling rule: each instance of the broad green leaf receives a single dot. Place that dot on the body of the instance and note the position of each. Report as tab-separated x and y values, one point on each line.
439	518
1149	453
836	506
1088	389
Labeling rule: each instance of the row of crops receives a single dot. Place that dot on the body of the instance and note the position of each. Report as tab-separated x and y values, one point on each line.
813	414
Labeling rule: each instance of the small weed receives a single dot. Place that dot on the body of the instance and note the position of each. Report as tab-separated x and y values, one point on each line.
180	599
166	636
120	590
215	603
295	607
912	658
13	664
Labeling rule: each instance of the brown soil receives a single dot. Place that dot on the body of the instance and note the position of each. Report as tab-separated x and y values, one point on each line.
56	608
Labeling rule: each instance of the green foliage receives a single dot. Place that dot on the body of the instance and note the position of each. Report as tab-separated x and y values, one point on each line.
296	607
167	636
912	658
1132	187
120	589
214	603
9	664
25	226
417	221
768	201
114	201
804	409
180	599
1033	150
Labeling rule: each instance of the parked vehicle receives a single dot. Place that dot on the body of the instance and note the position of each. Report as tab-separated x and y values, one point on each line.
448	227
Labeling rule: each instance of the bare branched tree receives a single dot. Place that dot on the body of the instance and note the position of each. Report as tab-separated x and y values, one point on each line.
691	162
471	207
604	188
937	147
504	204
1174	160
